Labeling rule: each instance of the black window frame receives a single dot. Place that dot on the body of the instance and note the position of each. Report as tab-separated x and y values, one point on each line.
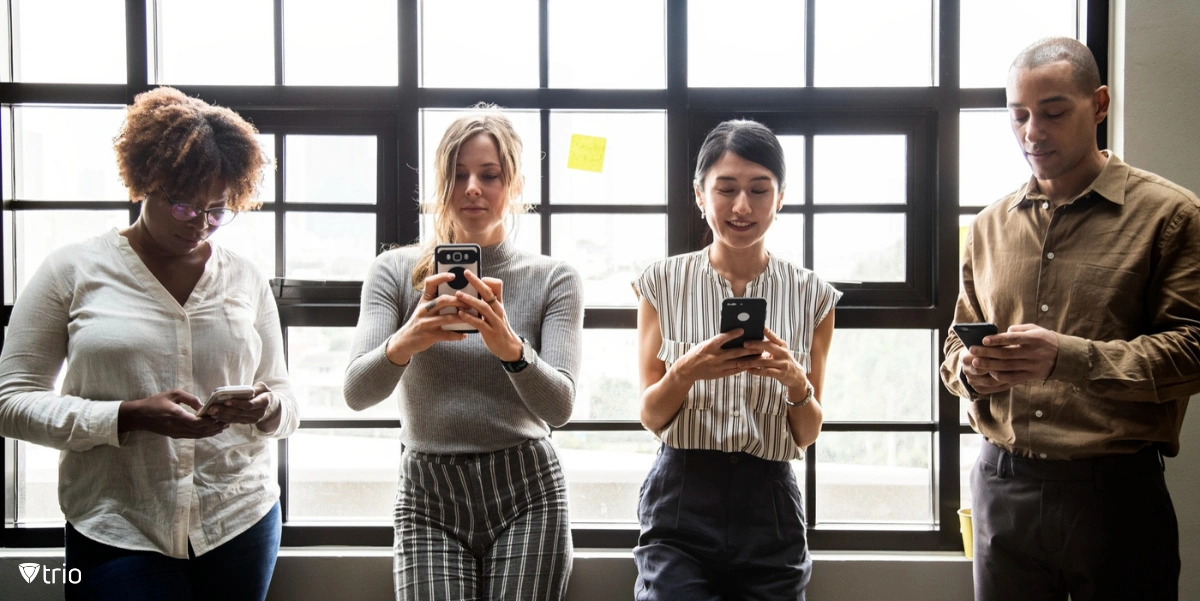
927	116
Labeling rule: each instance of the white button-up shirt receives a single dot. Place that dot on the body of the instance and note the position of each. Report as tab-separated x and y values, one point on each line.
124	337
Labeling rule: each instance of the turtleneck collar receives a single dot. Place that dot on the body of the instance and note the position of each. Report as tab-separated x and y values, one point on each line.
498	254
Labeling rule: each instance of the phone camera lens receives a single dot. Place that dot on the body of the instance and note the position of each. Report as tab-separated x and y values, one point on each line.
457	257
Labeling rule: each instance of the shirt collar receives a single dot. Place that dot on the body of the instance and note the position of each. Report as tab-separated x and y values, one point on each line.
1109	185
774	269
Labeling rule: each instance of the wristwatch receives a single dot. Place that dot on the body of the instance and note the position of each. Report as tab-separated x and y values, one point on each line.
807	398
521	363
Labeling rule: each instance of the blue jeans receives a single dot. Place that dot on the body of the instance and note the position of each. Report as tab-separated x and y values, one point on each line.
238	570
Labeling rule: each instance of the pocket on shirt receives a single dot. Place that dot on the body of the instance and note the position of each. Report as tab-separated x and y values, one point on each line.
240	316
1109	301
699	397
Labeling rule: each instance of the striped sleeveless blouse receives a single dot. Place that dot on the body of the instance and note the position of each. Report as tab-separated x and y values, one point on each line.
741	412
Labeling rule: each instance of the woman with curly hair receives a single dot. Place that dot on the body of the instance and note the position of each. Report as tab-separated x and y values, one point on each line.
160	502
482	507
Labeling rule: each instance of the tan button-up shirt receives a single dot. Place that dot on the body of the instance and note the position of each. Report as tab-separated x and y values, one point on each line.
1115	273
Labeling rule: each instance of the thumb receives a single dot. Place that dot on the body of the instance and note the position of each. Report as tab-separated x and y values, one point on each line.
184	398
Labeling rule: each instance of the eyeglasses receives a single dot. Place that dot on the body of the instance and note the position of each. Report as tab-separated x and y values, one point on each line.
184	211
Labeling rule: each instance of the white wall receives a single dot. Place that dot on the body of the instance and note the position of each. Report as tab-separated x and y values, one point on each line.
1159	123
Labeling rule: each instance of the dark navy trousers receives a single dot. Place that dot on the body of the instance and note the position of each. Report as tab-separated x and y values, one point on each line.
720	526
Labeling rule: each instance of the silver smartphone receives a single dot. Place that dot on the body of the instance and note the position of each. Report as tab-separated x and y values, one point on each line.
458	259
226	393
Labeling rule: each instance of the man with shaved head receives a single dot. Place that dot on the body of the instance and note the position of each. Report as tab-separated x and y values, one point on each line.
1091	271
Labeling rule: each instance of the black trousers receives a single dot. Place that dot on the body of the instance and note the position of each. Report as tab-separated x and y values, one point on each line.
1096	529
718	525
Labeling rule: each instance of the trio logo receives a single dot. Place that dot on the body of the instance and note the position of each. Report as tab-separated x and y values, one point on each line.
29	571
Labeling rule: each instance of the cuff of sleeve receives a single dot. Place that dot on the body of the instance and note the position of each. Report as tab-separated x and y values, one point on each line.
530	362
380	361
972	394
1074	359
105	416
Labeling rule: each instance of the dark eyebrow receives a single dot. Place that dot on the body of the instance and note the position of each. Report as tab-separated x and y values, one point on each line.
734	179
483	165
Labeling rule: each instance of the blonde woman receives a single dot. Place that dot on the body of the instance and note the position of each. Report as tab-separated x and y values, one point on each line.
482	506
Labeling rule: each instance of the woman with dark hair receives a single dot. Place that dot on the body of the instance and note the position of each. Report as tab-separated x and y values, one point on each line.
720	511
482	507
160	502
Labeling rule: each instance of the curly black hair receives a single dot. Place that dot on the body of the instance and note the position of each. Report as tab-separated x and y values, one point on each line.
180	146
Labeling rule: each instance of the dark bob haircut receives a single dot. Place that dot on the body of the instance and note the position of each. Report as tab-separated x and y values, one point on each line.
749	140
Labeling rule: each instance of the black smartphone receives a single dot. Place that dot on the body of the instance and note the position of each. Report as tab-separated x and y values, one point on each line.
457	259
972	334
748	313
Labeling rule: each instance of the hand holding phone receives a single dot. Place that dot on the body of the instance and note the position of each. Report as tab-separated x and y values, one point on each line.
972	334
226	393
747	313
457	259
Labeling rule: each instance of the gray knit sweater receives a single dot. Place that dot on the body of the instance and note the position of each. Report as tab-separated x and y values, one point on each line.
455	397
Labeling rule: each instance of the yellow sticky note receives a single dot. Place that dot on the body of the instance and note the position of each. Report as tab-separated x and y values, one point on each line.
587	153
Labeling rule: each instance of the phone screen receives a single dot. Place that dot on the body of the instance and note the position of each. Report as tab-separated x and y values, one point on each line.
748	313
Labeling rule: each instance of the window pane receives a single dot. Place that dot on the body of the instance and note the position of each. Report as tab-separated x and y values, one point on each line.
5	48
964	227
266	188
874	477
630	167
604	472
343	474
6	150
992	165
968	452
329	246
317	360
453	52
528	125
200	43
838	163
616	44
354	45
37	485
793	165
609	251
785	238
992	34
859	247
251	235
608	380
36	234
69	41
874	43
338	169
771	55
67	153
880	375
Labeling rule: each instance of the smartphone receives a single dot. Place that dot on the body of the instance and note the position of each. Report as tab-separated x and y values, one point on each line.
972	334
457	259
748	313
226	393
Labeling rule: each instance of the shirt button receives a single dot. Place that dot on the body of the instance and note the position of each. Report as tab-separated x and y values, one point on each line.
1043	455
1045	205
1038	413
184	351
1045	308
1049	255
737	413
